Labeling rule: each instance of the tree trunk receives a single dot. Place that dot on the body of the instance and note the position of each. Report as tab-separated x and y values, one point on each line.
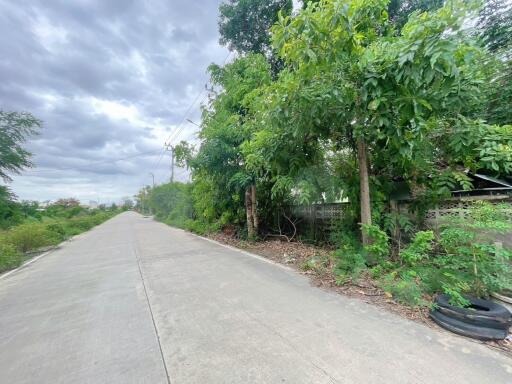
397	231
254	209
250	215
366	212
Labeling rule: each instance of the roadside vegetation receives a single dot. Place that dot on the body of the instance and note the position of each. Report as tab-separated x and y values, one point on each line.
31	229
26	228
340	101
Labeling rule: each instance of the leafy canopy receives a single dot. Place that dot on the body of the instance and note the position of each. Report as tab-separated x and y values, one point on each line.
15	128
244	25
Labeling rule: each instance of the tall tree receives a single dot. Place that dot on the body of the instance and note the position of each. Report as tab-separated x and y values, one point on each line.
15	129
244	25
220	166
495	29
375	93
495	25
400	10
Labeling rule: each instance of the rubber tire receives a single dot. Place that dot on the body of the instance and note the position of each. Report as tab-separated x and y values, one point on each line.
505	297
465	329
497	316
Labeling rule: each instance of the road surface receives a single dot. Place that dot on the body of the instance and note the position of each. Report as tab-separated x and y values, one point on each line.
135	301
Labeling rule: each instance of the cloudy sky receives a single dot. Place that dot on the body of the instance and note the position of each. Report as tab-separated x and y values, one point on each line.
111	80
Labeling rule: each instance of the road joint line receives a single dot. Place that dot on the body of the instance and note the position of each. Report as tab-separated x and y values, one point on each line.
152	315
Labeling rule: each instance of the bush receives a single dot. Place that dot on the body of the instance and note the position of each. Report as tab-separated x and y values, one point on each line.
10	257
406	288
350	265
58	229
419	249
378	249
319	264
200	227
31	236
463	259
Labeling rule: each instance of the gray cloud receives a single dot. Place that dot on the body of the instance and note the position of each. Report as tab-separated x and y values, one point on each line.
111	80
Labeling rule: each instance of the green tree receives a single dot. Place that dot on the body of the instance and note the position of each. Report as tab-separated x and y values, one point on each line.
183	153
369	92
220	167
15	129
494	27
400	10
10	213
244	25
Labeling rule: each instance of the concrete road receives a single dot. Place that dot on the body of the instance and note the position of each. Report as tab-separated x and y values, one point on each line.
134	301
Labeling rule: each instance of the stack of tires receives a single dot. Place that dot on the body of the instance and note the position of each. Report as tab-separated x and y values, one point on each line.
483	319
505	296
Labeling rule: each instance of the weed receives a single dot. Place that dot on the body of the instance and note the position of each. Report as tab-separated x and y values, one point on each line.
10	257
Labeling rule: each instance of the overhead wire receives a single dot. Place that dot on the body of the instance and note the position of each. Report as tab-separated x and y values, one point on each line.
174	135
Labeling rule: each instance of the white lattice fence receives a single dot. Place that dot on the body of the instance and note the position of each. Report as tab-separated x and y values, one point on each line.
460	207
322	212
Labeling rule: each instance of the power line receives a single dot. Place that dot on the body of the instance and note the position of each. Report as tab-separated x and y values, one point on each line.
180	128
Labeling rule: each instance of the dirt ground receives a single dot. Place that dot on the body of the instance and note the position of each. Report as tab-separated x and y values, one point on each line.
297	255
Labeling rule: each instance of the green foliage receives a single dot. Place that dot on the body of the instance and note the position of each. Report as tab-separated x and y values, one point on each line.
200	227
480	146
171	203
30	236
15	128
400	10
405	288
10	257
413	85
419	249
183	154
463	259
495	25
244	25
319	264
379	247
469	256
351	264
44	230
10	212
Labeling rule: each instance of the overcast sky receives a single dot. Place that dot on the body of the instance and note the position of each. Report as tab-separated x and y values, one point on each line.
110	79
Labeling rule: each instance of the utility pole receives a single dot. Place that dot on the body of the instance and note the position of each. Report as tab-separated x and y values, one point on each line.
153	176
142	198
171	149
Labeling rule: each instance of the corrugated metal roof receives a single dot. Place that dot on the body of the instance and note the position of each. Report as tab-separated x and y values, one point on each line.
493	180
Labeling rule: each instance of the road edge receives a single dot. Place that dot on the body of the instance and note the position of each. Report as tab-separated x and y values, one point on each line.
247	253
36	258
26	264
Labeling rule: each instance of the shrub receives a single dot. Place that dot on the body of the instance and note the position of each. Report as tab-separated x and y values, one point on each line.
10	257
200	227
31	236
378	249
419	249
406	288
319	264
468	256
58	229
350	265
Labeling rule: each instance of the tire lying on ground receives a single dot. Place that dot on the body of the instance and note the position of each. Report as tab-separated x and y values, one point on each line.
469	330
483	319
505	296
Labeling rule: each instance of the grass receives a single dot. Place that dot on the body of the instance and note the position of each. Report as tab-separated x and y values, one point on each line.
33	235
